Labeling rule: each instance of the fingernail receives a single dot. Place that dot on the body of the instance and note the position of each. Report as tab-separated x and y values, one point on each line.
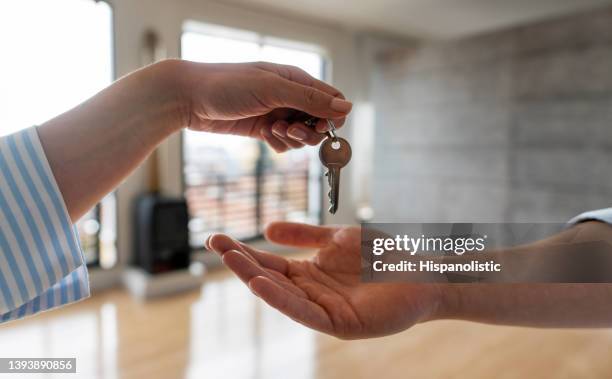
322	128
297	133
251	287
207	243
279	128
340	105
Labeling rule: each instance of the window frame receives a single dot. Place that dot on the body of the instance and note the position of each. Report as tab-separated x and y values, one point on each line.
98	207
97	246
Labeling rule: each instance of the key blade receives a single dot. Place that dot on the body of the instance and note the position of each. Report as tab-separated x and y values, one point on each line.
334	190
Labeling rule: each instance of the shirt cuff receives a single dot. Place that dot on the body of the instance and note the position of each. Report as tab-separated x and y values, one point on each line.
41	263
603	215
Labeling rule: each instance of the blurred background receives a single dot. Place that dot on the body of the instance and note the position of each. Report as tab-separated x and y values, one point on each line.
465	110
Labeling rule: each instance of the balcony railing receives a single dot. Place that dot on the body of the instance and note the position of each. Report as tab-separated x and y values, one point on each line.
242	205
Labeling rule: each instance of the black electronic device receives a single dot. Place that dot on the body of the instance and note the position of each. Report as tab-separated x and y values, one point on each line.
161	234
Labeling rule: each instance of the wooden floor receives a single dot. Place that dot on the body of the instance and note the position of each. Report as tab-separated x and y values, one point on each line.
223	331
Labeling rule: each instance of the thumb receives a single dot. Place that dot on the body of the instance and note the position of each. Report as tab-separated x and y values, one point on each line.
289	94
299	235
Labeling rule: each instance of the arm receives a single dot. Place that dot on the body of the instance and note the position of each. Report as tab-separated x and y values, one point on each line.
84	153
326	292
536	304
94	146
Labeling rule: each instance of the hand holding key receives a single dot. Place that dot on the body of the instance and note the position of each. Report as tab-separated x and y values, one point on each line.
259	100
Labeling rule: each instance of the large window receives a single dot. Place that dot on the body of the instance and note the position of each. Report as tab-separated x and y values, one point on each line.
235	184
55	54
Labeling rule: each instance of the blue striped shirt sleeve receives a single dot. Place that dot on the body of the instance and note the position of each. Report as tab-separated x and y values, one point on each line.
41	263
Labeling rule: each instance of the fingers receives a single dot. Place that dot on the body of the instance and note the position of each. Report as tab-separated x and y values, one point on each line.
246	268
283	136
296	74
300	235
247	262
307	99
274	142
322	125
299	309
299	76
267	260
304	134
280	129
296	89
222	244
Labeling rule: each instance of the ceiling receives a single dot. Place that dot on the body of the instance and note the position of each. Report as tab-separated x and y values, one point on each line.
423	18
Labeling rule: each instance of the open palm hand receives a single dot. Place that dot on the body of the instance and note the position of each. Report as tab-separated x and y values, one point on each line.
325	292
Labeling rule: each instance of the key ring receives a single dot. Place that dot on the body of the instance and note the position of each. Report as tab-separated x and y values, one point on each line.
332	127
332	130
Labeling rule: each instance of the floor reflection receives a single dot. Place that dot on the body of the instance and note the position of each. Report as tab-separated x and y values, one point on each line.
109	341
222	332
234	335
89	334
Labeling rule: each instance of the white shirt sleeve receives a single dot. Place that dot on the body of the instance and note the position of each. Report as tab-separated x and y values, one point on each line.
41	263
603	215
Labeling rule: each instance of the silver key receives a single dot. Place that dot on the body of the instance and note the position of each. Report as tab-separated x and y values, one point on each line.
335	153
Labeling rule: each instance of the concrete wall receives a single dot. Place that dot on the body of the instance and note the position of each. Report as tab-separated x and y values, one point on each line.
514	125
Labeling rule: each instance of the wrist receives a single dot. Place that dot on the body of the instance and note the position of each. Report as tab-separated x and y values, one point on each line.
168	102
448	302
